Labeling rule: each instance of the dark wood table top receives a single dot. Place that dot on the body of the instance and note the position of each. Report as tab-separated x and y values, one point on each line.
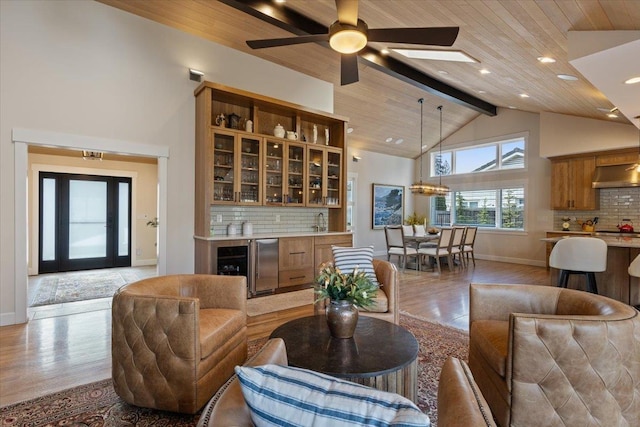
378	347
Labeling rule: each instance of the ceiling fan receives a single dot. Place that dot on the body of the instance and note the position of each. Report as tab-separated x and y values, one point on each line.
349	34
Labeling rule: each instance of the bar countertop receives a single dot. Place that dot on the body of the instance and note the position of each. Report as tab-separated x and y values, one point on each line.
241	236
611	241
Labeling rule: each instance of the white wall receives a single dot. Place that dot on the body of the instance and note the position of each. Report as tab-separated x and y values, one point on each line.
376	168
518	247
561	134
84	68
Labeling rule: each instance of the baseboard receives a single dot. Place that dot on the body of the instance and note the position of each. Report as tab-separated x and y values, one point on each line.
144	262
7	319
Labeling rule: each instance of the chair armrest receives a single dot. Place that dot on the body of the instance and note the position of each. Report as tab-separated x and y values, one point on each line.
219	291
460	402
497	302
228	407
387	275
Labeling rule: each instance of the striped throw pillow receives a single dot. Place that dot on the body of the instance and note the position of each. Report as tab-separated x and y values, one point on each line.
346	259
285	396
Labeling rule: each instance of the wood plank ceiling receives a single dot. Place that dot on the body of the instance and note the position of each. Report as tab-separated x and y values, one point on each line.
506	37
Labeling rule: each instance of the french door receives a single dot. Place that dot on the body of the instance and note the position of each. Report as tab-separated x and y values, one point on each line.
84	222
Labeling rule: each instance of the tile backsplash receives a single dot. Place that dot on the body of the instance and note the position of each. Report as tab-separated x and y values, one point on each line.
616	204
267	219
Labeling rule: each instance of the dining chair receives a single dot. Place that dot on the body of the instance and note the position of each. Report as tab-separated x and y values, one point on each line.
441	250
468	244
456	244
420	231
397	246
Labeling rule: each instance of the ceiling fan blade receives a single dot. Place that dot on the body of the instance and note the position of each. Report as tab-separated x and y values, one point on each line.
437	36
348	69
260	44
347	11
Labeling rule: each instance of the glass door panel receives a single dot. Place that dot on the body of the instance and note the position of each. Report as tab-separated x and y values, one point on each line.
223	167
123	219
334	169
274	165
87	219
48	225
295	175
315	171
250	175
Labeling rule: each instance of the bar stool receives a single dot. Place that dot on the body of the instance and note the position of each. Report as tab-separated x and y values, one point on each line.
579	255
634	267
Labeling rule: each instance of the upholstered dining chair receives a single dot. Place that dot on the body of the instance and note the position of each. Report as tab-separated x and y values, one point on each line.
442	249
457	241
419	230
176	339
579	255
397	246
468	245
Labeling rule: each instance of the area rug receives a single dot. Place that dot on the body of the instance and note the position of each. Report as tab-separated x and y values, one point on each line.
84	285
97	405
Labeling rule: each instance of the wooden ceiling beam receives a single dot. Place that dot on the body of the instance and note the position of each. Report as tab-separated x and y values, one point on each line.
298	24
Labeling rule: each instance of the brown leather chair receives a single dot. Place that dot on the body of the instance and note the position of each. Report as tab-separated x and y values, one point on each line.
547	356
176	339
387	298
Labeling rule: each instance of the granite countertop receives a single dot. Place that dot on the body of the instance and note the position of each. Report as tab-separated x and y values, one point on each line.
613	241
273	235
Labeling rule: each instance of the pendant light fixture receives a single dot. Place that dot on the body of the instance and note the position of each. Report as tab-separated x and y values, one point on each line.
424	188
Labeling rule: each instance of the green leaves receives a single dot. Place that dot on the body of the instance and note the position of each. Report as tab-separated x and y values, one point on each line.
355	287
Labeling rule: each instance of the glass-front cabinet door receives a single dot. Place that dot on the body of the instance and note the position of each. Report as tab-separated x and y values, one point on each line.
315	173
274	164
295	188
236	169
334	172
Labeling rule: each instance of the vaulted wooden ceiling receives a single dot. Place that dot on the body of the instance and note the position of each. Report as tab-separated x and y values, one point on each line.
506	37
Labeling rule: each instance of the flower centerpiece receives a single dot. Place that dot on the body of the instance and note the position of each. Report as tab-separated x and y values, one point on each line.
346	292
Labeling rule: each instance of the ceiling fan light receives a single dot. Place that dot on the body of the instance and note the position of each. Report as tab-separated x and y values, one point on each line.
348	41
345	38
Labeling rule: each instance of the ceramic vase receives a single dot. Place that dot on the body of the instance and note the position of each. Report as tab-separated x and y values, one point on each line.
342	318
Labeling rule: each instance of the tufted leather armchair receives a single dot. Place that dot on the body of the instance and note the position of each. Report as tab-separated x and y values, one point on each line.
176	339
547	356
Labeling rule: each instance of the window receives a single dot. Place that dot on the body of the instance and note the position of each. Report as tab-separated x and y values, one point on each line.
509	154
494	208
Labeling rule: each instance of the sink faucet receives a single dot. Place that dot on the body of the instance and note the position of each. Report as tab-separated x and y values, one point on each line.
322	225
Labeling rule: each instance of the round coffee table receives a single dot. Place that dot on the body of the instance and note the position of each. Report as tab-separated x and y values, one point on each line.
381	354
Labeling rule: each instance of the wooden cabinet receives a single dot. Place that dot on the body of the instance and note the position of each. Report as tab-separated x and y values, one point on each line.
234	167
295	261
322	247
619	157
237	163
571	180
324	173
284	173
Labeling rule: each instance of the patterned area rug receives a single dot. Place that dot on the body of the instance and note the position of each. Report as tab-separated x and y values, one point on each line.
84	285
97	405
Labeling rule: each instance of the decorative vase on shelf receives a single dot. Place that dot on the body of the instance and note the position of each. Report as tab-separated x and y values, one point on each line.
315	134
342	318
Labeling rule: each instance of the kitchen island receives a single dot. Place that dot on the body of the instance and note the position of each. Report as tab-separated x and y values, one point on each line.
615	282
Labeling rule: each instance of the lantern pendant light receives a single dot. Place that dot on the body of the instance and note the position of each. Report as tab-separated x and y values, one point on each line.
424	188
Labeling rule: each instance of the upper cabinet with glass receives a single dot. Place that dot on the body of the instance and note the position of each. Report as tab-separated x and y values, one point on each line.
256	150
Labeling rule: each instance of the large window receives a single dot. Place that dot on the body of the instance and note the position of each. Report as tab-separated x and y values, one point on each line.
494	208
508	154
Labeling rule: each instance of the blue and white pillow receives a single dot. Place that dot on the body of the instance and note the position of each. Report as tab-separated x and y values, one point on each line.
284	396
346	259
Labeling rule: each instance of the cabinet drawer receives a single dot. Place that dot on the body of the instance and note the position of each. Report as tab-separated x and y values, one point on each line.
339	240
296	277
296	253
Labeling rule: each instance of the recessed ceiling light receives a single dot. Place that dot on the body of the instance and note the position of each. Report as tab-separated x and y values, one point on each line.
546	59
443	72
399	141
482	91
513	107
424	147
385	51
524	95
485	71
349	130
437	55
612	115
281	1
604	110
567	77
389	139
632	80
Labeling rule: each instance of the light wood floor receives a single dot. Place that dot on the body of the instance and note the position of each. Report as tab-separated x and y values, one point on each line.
51	354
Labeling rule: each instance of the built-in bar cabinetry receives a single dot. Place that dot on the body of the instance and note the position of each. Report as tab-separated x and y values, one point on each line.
295	261
248	165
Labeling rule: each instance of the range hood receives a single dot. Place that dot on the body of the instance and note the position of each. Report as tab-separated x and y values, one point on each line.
618	176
